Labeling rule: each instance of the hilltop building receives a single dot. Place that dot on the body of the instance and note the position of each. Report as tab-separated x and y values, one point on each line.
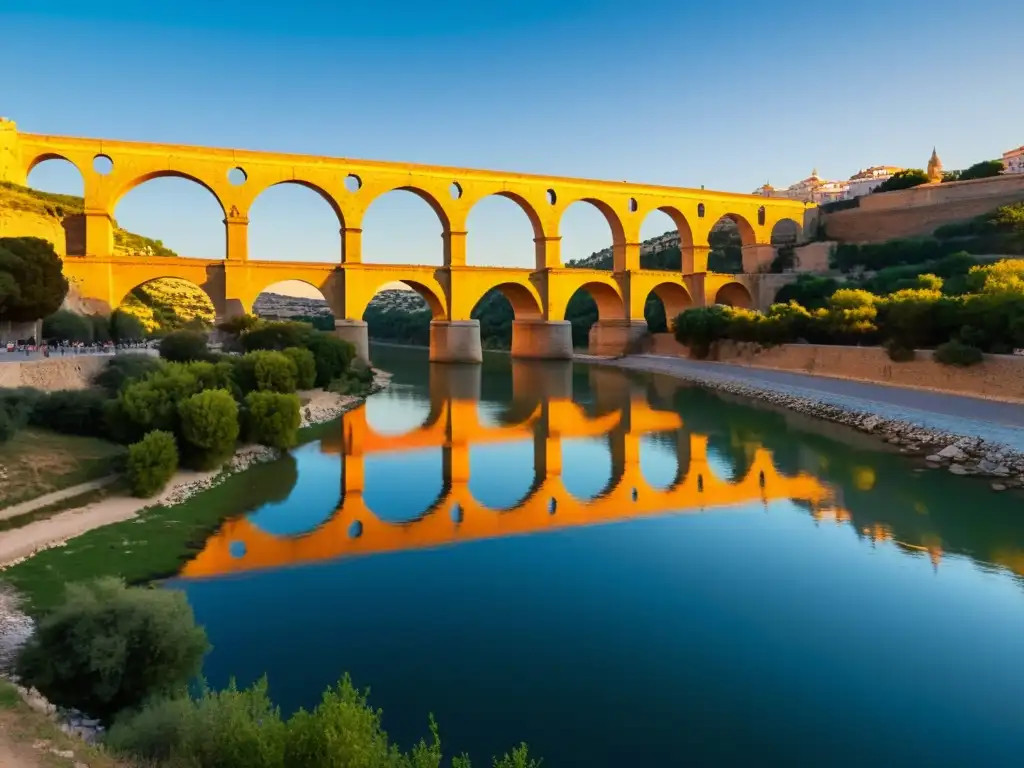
934	168
1013	160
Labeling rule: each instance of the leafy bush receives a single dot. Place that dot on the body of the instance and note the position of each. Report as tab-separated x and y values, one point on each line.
153	402
273	419
184	346
274	371
110	647
332	355
64	325
911	177
122	369
151	463
700	328
305	367
899	353
126	327
72	412
957	353
16	407
242	729
209	427
212	375
276	336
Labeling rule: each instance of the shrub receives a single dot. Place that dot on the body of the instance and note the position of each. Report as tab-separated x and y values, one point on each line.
305	367
184	346
273	419
276	336
899	353
72	412
209	426
151	463
332	355
8	428
122	369
16	407
154	733
153	402
957	353
110	647
65	325
274	371
699	328
126	327
212	375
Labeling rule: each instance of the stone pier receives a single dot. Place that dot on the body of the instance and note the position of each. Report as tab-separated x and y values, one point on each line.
542	339
615	337
354	332
455	341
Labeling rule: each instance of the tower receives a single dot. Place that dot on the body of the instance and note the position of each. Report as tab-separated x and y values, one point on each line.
934	168
10	169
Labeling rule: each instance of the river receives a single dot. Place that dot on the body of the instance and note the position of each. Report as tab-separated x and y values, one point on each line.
624	570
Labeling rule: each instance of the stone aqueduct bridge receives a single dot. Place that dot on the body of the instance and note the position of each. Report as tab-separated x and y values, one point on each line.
454	426
538	296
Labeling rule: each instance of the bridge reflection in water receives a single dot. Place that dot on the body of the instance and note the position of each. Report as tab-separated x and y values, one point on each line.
542	410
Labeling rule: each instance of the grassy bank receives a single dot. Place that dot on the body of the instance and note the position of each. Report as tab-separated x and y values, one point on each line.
37	462
160	540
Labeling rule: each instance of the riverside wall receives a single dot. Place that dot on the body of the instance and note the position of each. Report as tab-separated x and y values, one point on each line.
72	372
999	377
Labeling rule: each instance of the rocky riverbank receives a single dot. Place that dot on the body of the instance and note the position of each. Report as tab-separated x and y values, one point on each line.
956	453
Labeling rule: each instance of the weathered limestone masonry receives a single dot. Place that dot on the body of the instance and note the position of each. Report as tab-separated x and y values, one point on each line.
539	296
999	377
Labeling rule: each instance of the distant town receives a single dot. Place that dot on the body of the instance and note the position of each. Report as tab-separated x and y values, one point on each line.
815	189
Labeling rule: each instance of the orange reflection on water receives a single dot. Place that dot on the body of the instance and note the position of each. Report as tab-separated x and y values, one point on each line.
454	426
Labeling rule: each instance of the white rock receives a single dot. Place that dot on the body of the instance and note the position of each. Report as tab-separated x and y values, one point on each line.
952	452
959	469
998	487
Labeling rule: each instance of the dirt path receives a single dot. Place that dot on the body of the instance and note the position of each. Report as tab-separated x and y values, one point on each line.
46	500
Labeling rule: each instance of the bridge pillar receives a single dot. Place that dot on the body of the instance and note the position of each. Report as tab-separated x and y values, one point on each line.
615	337
757	258
354	332
455	382
542	339
455	341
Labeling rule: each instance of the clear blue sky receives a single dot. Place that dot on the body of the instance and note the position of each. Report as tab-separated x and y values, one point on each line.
727	94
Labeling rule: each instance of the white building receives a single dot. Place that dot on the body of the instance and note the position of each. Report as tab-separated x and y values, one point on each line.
1013	160
865	181
813	189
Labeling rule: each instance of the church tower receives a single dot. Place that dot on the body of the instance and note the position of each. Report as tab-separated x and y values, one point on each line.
934	168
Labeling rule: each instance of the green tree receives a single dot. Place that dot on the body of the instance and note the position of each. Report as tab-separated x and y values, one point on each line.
983	170
109	647
274	371
305	367
64	325
209	427
37	271
273	419
152	403
125	327
276	336
332	355
906	179
184	346
100	328
9	292
699	328
152	462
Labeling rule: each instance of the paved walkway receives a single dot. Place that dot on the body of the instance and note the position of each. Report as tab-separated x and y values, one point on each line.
52	498
993	420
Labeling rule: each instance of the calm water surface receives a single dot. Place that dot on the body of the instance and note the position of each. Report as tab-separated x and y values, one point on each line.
625	571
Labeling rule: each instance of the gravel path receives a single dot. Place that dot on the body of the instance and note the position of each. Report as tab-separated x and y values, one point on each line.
991	420
52	498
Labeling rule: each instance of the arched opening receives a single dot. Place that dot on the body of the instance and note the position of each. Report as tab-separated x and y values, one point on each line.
664	459
663	305
401	312
664	234
294	300
734	295
586	467
292	221
498	308
500	232
54	197
726	240
501	475
421	489
404	226
170	216
166	304
588	231
592	302
305	509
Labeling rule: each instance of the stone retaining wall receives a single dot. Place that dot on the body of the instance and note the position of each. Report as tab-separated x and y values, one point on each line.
73	372
999	377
